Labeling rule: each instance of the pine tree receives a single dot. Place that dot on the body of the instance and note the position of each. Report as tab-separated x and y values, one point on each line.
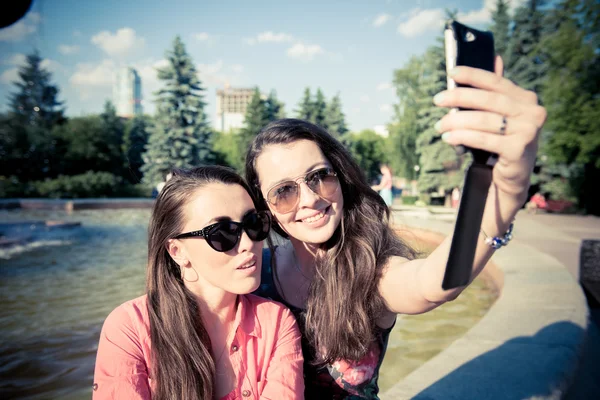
181	136
274	107
500	27
134	142
320	110
36	100
571	95
257	116
306	107
439	163
524	62
34	111
335	119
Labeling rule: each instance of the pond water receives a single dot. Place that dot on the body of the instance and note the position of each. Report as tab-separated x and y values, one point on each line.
56	293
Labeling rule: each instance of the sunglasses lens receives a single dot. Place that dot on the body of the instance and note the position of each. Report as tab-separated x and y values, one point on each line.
224	236
323	182
257	226
284	197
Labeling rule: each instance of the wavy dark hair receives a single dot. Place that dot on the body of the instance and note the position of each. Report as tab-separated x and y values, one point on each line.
182	364
344	301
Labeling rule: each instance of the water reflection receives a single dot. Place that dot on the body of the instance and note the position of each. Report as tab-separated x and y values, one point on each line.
55	297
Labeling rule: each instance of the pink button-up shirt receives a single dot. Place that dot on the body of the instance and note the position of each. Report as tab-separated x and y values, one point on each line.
265	353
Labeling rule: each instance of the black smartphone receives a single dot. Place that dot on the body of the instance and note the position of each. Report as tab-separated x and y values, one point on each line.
470	47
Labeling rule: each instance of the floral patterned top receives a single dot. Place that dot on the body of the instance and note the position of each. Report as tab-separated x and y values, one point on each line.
343	379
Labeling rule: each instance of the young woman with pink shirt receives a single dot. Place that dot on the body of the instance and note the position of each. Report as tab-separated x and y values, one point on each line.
197	333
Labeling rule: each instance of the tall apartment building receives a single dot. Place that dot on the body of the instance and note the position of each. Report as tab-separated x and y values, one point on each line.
127	92
231	108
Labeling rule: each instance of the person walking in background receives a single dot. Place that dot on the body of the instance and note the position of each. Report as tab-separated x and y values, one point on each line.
537	202
385	185
197	333
455	197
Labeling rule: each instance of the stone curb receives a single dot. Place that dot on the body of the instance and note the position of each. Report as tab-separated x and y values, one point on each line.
527	346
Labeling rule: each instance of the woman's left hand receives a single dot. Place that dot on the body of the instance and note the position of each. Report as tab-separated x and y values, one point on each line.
504	119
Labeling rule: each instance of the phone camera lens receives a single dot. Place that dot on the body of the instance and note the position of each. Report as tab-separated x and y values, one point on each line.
469	36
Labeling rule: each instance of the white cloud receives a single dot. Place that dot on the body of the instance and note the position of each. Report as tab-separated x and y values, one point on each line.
34	17
269	37
18	31
10	75
16	59
88	74
384	86
475	17
484	15
274	37
66	49
201	37
385	108
381	130
51	65
215	74
304	52
237	68
123	41
381	19
365	98
421	21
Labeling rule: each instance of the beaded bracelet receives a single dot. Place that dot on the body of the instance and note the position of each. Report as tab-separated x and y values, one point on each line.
497	242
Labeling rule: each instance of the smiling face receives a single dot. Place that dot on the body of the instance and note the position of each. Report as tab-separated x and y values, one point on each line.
315	218
235	271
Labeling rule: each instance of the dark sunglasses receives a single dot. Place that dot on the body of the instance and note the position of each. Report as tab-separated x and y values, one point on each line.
225	235
284	196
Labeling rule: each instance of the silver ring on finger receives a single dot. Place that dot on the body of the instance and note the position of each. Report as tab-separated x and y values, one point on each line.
502	130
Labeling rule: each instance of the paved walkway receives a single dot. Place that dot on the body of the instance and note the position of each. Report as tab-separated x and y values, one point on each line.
537	338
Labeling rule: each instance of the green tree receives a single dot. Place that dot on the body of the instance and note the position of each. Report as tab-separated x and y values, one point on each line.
85	145
181	136
404	130
320	110
335	119
113	133
438	162
134	143
274	107
228	150
571	95
368	149
36	100
257	116
500	27
26	144
524	64
306	109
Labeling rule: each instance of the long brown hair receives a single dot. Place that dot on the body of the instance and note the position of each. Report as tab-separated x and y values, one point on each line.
182	364
344	300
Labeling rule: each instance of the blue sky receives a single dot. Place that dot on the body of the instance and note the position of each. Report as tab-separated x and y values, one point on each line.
348	47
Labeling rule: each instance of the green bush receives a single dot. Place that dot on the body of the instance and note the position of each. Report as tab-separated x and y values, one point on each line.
10	187
89	184
409	200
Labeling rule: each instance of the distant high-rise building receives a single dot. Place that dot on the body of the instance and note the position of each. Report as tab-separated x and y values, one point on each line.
127	92
231	107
